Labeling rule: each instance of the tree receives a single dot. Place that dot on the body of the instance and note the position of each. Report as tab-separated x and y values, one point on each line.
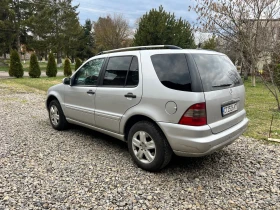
16	69
159	27
111	32
7	32
210	44
86	46
78	63
249	25
34	68
67	68
51	66
55	26
240	22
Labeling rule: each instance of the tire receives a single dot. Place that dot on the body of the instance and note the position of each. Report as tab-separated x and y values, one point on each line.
56	116
142	138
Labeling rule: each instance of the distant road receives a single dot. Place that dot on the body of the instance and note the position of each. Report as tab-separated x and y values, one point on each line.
4	74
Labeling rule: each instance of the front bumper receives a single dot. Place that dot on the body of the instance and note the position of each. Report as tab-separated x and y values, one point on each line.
189	141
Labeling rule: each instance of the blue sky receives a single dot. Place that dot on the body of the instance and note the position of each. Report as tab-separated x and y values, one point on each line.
131	9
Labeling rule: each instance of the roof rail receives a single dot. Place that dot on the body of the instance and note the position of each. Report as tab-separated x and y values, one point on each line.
140	48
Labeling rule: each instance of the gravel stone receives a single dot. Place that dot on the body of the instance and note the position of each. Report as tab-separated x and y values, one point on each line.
41	168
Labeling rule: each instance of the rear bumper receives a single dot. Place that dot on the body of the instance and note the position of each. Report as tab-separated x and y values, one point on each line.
191	141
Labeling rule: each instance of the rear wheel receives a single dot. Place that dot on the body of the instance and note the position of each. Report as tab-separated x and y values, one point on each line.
56	116
148	146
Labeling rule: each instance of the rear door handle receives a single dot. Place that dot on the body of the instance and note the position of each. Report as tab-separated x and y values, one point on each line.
130	95
90	92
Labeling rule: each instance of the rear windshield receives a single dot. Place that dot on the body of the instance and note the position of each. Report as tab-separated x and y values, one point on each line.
216	72
172	71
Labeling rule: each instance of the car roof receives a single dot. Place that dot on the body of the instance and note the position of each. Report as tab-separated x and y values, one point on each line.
160	51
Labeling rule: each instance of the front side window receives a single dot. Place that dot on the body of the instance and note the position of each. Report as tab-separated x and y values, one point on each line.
172	71
121	71
88	74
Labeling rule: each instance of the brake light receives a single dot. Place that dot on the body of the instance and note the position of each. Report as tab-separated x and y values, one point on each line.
195	115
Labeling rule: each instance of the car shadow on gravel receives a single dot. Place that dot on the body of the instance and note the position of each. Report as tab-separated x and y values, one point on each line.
99	137
216	164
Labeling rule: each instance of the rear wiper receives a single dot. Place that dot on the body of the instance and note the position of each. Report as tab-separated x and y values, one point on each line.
222	85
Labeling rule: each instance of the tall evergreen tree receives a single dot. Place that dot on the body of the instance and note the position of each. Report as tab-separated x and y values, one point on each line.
86	42
78	63
7	30
67	68
159	27
34	68
51	66
16	69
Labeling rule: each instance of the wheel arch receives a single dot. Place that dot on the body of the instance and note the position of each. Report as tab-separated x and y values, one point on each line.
54	96
133	120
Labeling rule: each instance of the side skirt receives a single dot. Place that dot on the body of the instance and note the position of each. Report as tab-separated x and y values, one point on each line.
109	133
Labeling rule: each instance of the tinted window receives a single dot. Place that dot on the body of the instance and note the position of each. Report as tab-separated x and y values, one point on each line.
88	74
216	72
133	76
116	71
172	71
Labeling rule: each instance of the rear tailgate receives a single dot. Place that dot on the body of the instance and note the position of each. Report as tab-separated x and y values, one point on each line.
223	89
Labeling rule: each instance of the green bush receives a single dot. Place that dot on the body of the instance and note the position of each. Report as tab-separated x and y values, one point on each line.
51	66
16	69
276	75
67	68
78	63
34	68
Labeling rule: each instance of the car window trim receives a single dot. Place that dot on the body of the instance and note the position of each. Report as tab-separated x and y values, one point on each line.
99	76
105	68
187	65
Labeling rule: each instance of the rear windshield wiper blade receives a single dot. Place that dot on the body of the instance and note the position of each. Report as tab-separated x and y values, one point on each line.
223	85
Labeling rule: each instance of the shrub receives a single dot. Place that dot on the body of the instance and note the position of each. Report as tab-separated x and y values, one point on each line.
16	69
67	68
34	68
276	75
78	63
51	66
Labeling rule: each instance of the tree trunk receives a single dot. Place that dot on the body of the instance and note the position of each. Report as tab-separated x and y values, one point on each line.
58	57
246	75
253	79
5	56
46	55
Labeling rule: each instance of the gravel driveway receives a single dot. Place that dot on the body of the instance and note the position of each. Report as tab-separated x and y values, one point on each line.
41	168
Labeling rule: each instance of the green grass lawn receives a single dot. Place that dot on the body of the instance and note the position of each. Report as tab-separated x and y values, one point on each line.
42	83
260	104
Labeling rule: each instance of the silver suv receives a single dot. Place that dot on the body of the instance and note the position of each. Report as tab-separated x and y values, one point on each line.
159	101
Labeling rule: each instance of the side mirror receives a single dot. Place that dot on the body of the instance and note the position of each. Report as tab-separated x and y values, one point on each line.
66	81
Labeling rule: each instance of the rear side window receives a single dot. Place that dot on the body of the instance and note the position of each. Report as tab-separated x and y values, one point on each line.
217	72
122	71
172	71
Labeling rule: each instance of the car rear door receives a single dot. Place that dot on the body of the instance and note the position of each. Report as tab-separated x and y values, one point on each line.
120	89
223	89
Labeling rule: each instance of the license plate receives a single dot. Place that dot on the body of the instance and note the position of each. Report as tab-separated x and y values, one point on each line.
229	109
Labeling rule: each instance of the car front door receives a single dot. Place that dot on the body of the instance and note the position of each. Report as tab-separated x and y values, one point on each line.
120	89
79	97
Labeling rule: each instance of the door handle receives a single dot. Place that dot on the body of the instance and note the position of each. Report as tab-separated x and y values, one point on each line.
90	92
130	95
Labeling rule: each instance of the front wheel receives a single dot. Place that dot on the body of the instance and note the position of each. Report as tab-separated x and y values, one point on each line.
148	146
56	116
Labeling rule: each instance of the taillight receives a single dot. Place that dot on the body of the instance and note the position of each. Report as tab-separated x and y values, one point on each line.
195	115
